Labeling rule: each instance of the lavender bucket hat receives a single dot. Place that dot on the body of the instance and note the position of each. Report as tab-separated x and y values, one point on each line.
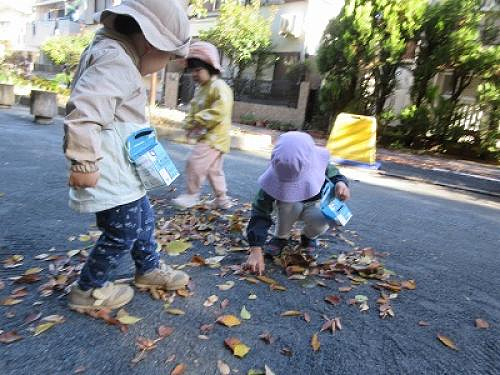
297	170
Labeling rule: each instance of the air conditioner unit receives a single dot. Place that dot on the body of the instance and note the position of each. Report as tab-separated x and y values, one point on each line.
290	25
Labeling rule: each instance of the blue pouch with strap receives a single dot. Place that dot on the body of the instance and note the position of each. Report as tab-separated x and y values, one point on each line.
332	208
151	160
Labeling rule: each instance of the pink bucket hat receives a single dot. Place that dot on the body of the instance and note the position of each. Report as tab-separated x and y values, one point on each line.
297	170
205	52
164	22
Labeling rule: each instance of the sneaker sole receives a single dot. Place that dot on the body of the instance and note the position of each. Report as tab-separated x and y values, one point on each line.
84	308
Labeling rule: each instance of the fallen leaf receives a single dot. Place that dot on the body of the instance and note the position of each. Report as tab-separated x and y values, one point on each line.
170	359
9	337
315	344
329	325
409	284
482	324
447	341
173	311
286	352
334	300
228	320
251	280
139	357
71	238
57	319
267	338
165	331
223	367
124	317
252	296
13	261
241	350
146	344
179	369
278	287
268	371
245	314
203	337
291	313
226	286
307	317
345	289
80	370
338	324
84	238
266	280
177	247
32	317
183	292
41	256
2	285
198	260
10	301
360	298
210	300
364	307
28	279
206	328
423	323
43	327
72	253
19	292
224	304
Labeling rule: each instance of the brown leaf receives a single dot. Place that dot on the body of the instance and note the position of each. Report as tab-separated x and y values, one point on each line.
267	338
231	342
165	331
28	279
10	301
482	324
315	344
32	317
183	292
2	284
206	328
19	292
447	341
307	317
224	304
278	287
291	313
334	300
345	289
80	370
198	260
139	357
328	325
179	369
146	344
423	323
409	284
9	337
266	280
228	320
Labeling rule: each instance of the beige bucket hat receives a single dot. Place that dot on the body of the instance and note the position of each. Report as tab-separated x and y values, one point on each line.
165	23
205	52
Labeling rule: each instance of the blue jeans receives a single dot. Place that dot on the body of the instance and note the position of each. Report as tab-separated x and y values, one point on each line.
129	227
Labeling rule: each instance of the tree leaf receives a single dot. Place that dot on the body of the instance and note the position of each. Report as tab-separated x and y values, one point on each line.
41	328
291	313
245	314
447	341
223	367
165	331
128	319
173	311
9	337
177	247
333	300
315	344
198	260
482	324
228	320
210	300
226	286
179	369
241	350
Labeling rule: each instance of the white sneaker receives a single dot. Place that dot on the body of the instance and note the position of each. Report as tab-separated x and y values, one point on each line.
222	203
184	201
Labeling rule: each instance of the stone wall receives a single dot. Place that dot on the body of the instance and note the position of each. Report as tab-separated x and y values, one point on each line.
282	114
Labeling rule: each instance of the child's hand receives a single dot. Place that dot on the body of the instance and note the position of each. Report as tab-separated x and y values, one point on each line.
255	261
342	192
83	180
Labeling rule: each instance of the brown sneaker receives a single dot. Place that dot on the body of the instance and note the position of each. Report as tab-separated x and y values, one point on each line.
110	296
164	277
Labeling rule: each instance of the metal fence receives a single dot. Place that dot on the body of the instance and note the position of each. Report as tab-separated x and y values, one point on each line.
278	92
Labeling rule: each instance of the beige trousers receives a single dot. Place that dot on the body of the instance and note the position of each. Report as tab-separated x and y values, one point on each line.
205	161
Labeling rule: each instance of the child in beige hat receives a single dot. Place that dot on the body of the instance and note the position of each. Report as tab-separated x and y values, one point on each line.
209	122
107	104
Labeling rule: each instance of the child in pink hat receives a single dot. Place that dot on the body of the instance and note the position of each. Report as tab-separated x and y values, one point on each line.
209	122
291	187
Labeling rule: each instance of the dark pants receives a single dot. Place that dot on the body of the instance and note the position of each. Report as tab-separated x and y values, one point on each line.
129	227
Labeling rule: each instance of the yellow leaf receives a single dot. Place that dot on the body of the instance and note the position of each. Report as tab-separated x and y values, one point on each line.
228	320
84	238
43	327
447	341
10	301
291	313
266	280
173	311
177	247
241	350
315	342
33	271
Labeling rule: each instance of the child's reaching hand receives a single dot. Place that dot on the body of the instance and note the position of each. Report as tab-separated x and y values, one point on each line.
342	192
83	180
255	261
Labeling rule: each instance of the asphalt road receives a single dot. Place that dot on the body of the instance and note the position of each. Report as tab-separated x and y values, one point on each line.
444	240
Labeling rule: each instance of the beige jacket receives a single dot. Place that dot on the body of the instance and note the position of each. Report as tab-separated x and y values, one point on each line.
107	103
109	89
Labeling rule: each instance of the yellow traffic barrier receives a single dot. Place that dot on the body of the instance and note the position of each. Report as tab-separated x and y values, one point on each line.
353	140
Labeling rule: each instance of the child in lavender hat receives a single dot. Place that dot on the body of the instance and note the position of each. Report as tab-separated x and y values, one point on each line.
291	187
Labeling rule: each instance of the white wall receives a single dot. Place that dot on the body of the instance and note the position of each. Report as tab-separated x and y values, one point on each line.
13	21
319	13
